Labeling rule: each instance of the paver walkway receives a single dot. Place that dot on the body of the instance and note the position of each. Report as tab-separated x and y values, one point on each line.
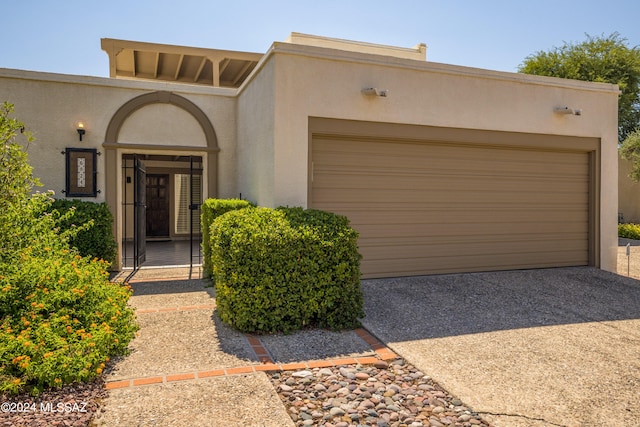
186	368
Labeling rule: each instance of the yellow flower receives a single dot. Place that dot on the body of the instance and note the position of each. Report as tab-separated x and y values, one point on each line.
99	370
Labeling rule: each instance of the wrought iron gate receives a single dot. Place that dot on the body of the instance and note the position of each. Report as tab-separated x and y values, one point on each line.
134	212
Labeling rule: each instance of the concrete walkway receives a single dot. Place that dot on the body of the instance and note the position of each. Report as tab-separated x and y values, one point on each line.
186	368
537	348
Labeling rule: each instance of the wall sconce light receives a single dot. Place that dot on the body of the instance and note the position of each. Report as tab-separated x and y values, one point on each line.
81	130
567	110
373	91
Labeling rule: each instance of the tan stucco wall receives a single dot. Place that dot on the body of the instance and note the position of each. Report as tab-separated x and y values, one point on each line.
262	129
51	104
256	133
628	194
317	82
162	124
418	52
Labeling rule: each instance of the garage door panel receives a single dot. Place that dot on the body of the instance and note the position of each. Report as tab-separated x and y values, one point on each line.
415	241
427	181
458	229
472	263
422	207
380	251
518	217
444	158
444	196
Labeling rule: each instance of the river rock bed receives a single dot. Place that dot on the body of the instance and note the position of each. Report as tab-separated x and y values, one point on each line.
382	395
73	405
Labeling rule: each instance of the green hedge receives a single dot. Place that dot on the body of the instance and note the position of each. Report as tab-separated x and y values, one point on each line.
279	270
211	209
95	237
630	231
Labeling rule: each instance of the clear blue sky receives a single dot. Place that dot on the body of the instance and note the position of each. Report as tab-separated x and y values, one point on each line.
64	36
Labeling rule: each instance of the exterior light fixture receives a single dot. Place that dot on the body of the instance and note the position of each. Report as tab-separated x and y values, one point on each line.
81	130
567	110
373	91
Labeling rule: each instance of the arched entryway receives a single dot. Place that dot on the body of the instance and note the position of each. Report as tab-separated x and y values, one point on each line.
175	138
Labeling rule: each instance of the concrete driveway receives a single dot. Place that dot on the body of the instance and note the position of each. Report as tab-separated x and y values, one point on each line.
553	347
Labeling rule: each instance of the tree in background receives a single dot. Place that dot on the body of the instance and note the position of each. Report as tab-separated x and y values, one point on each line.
630	150
16	179
598	59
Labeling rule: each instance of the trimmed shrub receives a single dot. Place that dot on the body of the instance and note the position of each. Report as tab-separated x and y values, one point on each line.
94	238
629	231
211	209
279	270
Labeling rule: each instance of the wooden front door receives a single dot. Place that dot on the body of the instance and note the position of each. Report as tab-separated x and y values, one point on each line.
157	205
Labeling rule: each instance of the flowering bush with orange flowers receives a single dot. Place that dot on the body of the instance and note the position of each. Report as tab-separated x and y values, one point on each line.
60	317
61	320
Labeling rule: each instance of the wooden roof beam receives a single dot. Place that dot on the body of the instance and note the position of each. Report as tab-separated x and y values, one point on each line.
178	67
224	64
203	62
157	65
133	63
241	73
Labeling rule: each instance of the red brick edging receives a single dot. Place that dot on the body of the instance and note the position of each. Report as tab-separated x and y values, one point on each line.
382	353
182	308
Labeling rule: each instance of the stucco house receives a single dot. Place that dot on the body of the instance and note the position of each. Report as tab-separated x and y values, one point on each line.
628	194
440	168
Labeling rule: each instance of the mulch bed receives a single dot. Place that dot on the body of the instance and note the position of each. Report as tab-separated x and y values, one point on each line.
73	405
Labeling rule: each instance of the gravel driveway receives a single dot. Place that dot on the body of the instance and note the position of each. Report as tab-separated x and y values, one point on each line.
553	347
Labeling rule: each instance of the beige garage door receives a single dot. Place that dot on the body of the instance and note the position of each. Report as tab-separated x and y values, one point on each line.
438	207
